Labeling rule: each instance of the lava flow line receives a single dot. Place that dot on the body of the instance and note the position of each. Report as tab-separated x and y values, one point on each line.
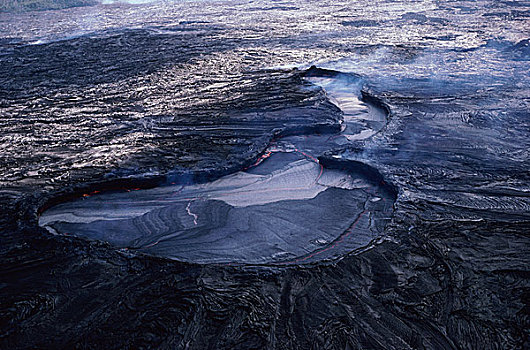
151	244
348	232
314	160
261	158
188	210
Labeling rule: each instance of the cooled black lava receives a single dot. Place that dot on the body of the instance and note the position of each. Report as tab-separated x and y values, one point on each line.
285	208
121	96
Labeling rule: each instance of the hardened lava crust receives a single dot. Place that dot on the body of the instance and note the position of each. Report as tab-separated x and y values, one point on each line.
113	98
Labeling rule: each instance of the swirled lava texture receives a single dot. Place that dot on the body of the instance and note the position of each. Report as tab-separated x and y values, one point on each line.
286	208
294	213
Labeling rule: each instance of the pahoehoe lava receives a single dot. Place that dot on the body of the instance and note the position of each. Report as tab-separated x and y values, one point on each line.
132	131
285	208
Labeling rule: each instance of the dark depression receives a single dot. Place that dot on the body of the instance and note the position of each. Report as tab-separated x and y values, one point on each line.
264	174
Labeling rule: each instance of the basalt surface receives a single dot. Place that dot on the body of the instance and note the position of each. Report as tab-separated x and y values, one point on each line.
285	208
115	98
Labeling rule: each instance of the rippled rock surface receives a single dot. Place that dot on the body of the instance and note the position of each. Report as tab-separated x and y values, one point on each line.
107	99
285	208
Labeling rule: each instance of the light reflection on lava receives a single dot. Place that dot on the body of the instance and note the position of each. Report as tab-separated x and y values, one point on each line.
293	177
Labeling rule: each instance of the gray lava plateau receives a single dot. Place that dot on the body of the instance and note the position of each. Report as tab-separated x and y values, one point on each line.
264	174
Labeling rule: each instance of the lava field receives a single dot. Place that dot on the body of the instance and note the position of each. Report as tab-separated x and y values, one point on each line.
265	175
